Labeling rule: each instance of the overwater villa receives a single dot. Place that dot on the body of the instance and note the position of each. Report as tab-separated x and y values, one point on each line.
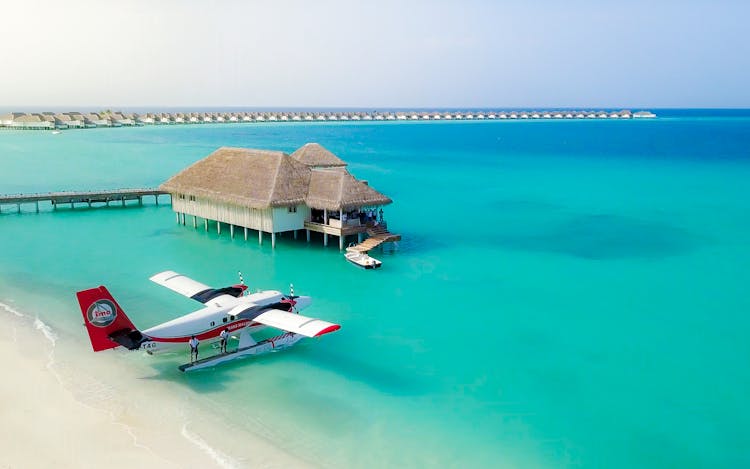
272	192
51	120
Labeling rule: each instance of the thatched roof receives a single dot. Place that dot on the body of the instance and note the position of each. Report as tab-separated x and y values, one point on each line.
339	190
255	178
313	154
263	179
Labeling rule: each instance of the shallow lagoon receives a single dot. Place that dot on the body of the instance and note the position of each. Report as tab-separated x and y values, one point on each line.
566	293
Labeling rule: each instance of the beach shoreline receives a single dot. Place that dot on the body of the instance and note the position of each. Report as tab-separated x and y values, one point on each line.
53	414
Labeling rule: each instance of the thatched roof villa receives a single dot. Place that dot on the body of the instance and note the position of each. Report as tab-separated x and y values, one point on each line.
272	192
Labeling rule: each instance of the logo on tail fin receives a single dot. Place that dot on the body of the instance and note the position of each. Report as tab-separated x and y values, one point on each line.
101	313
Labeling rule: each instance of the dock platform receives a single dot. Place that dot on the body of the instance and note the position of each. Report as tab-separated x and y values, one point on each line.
379	234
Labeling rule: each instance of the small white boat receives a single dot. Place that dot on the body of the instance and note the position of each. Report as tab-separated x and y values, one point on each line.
361	259
55	132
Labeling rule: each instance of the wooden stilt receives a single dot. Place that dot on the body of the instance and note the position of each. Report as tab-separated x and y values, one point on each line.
195	221
218	227
245	232
260	237
295	234
273	240
359	237
231	231
156	199
122	199
37	206
205	223
325	239
308	235
341	242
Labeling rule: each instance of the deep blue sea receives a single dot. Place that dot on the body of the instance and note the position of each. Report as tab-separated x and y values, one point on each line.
566	294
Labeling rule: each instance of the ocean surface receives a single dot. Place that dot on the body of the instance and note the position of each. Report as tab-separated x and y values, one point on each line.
566	294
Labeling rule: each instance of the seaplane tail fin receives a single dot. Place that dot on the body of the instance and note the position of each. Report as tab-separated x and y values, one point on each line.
106	322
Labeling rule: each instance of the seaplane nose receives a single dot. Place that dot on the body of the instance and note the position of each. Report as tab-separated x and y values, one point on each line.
303	302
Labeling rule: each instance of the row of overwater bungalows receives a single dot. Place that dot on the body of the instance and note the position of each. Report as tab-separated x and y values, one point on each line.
69	120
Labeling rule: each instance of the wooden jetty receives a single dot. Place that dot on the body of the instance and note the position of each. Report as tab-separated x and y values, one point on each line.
379	234
84	197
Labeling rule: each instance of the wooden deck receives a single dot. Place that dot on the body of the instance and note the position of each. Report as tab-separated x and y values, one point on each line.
378	235
74	197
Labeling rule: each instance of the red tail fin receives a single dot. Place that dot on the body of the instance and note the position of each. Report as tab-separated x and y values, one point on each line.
103	317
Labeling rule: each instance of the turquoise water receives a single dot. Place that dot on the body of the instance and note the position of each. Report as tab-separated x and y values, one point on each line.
566	294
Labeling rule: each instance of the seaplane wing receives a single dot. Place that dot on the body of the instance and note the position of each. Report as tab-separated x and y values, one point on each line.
193	289
296	323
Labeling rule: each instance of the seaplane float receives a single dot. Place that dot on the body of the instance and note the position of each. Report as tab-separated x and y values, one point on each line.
229	309
361	259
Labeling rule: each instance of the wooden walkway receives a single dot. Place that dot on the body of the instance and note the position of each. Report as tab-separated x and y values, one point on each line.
379	234
86	197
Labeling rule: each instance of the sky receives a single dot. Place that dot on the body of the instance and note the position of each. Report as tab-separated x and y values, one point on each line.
387	54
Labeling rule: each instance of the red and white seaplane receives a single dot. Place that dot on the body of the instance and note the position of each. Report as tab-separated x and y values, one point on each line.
229	308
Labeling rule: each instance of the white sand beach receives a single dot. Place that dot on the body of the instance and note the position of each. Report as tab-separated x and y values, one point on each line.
50	419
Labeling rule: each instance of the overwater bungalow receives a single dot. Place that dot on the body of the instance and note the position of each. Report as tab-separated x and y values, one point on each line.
643	115
69	121
121	119
272	192
7	119
21	120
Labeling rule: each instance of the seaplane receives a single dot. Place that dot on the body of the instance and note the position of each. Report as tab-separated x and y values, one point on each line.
232	309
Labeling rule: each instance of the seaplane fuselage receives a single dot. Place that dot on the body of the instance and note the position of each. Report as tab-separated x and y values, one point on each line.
207	323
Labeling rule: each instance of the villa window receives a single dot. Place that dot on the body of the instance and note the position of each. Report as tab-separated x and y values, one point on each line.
292	209
192	198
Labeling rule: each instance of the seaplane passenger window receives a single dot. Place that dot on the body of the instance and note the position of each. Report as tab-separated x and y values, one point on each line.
213	323
224	319
231	318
